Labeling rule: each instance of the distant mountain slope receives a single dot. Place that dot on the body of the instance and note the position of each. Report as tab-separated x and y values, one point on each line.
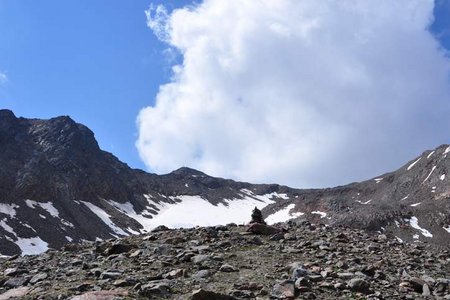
58	186
410	203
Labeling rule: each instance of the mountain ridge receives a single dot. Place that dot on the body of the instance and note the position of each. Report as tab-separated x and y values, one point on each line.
54	171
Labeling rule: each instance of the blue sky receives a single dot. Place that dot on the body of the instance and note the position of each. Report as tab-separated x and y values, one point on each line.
98	62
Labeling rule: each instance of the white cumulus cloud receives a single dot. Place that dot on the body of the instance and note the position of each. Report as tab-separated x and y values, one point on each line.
306	93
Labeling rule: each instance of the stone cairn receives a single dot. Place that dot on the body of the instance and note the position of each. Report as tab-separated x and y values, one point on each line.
257	217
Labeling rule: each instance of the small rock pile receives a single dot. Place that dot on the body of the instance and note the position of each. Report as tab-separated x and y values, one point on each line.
302	261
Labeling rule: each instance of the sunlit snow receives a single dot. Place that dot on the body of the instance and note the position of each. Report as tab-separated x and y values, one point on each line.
377	180
196	211
48	206
283	215
432	170
8	209
365	203
415	224
31	246
447	228
270	196
412	165
429	155
442	177
128	209
7	227
415	204
104	217
321	213
447	150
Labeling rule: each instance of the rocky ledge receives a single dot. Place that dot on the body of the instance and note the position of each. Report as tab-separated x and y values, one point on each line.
293	261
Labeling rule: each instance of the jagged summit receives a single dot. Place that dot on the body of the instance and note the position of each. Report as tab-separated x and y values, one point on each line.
58	186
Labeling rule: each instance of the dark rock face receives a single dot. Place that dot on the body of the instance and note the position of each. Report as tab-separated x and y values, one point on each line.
57	186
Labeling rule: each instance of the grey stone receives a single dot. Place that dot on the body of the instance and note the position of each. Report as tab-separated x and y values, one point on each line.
38	277
228	268
202	294
359	285
284	290
110	275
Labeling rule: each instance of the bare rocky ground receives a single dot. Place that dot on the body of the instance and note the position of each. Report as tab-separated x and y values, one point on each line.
302	261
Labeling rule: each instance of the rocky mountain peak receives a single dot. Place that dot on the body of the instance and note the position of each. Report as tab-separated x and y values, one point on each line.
6	113
185	171
7	119
63	132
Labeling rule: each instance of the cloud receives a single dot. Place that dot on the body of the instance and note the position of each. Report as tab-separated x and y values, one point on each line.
305	93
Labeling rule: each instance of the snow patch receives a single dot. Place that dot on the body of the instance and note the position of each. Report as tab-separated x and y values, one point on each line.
104	217
415	204
412	165
31	246
416	236
283	215
69	239
48	206
196	211
447	150
442	177
67	223
7	227
8	209
397	224
28	226
432	170
377	180
415	224
265	197
404	198
365	203
269	198
399	239
429	155
130	230
322	214
447	228
128	209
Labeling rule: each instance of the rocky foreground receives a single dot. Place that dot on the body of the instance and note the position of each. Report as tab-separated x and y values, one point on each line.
302	261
